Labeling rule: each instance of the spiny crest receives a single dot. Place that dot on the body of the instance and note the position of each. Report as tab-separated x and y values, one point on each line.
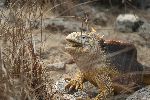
94	35
93	30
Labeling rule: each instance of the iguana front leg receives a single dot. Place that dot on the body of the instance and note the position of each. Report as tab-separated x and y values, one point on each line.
104	83
76	83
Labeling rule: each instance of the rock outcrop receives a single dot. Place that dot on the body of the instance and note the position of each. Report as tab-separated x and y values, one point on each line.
128	23
142	94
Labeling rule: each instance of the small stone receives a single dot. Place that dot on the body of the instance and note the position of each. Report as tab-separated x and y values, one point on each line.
56	66
128	23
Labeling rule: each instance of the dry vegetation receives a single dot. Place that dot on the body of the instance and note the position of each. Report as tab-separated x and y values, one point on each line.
21	73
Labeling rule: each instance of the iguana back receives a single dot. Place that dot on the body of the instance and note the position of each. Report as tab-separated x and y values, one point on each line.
122	55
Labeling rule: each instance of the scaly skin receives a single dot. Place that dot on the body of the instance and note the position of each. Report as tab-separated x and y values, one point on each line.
110	65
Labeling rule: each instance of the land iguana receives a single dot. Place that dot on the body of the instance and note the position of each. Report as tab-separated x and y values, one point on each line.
110	65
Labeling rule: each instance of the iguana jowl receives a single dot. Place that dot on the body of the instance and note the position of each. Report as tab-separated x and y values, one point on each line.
108	64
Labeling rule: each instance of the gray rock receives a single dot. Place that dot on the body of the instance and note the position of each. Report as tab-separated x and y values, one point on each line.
127	23
142	94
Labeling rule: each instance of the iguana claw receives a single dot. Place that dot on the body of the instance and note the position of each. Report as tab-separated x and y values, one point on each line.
74	84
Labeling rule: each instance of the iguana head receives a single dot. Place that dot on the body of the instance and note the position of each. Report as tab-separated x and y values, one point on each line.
80	43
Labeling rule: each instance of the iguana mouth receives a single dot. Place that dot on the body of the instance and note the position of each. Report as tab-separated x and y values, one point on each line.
72	43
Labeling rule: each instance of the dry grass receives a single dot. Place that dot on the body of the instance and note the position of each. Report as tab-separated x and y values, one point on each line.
21	73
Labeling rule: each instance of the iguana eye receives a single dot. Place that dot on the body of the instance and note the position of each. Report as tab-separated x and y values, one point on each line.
83	37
